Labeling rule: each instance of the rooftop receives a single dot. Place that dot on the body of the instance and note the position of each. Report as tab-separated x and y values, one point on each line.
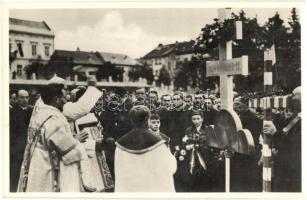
118	59
77	57
28	26
178	48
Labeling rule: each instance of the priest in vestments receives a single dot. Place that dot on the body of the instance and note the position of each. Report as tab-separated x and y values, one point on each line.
143	163
90	180
52	154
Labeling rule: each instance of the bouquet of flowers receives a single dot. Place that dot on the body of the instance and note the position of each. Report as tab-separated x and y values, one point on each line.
194	150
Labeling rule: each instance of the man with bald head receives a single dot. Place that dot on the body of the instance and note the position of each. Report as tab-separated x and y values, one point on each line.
23	98
20	116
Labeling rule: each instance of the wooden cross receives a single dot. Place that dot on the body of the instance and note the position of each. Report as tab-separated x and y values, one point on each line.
226	68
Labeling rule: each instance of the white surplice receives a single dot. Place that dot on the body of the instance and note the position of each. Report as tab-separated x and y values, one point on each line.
147	172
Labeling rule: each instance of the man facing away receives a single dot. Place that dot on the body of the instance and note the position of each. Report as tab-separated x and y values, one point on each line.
143	163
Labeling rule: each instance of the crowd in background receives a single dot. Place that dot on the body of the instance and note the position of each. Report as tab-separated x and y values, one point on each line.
175	114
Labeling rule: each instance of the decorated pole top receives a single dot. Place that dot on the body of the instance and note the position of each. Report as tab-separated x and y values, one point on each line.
226	67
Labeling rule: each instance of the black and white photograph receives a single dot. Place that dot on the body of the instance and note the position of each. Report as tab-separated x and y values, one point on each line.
148	99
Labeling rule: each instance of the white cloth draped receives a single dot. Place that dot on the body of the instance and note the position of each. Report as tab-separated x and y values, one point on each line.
148	172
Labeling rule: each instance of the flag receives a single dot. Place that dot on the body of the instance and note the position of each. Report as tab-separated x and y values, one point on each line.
269	54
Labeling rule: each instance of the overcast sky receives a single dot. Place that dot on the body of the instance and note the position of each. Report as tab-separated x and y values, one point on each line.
130	31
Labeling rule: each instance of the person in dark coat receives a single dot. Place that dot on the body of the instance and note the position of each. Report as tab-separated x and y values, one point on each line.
20	116
116	122
287	141
163	111
201	170
209	112
153	100
178	120
188	99
246	174
141	98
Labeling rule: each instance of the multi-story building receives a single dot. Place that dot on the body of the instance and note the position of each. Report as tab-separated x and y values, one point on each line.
121	62
80	65
168	56
71	64
28	41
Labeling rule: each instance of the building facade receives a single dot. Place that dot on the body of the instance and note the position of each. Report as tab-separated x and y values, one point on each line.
121	62
80	65
28	41
168	56
74	65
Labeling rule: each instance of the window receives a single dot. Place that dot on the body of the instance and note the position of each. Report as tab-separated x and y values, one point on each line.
158	61
19	70
47	50
34	50
169	64
20	50
10	47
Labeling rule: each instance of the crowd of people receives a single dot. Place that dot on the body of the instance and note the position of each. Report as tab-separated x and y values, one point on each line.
164	135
